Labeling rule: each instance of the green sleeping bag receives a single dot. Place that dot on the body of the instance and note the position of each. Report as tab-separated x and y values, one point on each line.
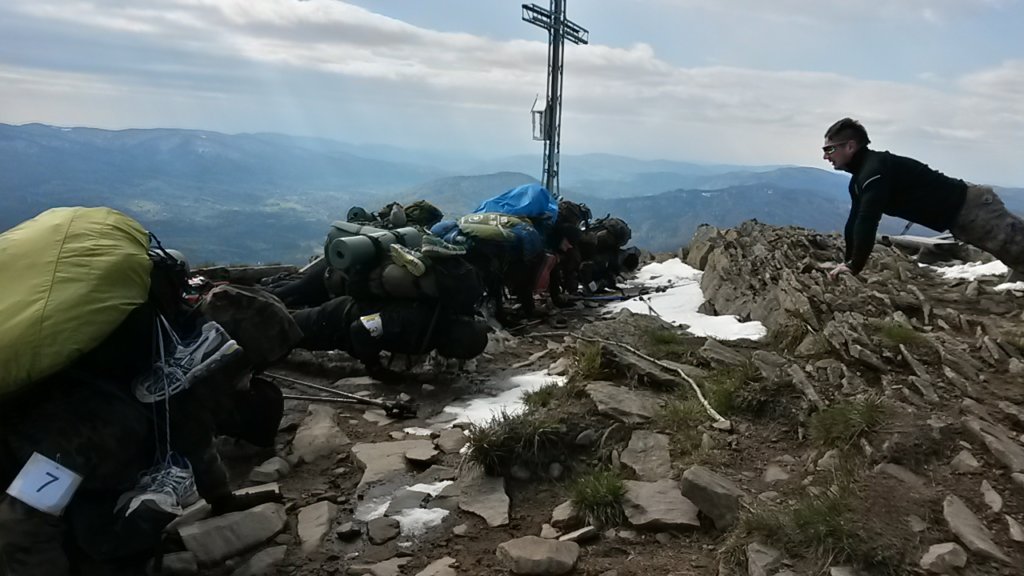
69	277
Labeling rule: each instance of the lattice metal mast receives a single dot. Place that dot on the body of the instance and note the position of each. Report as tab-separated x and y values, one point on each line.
559	30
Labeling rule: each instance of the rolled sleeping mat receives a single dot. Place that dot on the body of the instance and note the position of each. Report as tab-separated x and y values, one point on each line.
346	251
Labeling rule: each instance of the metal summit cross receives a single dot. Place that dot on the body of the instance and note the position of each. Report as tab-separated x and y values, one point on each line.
548	120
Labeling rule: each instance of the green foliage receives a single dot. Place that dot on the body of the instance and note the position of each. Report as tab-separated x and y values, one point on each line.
552	395
529	439
898	333
829	527
586	362
842	424
597	497
679	417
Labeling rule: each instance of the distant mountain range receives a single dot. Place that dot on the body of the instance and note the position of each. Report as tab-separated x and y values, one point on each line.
270	198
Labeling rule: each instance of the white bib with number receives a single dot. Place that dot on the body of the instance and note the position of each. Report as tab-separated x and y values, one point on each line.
374	324
45	485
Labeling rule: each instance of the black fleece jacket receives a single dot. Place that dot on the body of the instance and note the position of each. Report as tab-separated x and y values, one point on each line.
884	183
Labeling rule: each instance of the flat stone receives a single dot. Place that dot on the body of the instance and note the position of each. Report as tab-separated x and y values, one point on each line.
535	556
548	531
272	470
381	530
774	473
944	558
1016	530
648	455
965	463
263	563
991	497
762	559
441	567
582	535
484	496
348	531
461	530
405	499
180	564
1018	479
623	404
829	461
902	474
422	455
377	416
384	459
564	515
970	530
318	435
314	523
998	441
658	506
217	539
392	567
715	496
452	440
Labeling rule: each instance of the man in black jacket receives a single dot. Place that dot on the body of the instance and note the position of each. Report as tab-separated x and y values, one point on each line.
884	183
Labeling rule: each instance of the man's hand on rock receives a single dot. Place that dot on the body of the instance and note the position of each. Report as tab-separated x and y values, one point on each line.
840	269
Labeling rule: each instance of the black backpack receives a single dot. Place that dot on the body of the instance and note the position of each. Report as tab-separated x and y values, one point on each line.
611	232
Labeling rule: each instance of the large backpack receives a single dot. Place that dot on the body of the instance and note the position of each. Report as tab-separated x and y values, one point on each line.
70	277
423	214
611	232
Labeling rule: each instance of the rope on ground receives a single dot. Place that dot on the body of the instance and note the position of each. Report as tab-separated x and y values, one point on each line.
696	389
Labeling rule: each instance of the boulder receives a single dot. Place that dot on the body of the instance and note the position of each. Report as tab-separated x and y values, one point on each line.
534	556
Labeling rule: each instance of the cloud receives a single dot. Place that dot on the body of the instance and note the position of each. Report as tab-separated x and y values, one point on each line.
333	69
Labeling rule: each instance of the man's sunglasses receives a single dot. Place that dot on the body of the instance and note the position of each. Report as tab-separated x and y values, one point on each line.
831	148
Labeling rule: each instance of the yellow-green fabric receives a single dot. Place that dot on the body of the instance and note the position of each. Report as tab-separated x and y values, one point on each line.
69	277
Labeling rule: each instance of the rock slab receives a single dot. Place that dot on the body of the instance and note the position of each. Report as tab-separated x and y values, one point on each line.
380	460
716	496
534	556
217	539
623	404
484	496
318	435
315	522
263	563
658	506
944	558
648	456
970	530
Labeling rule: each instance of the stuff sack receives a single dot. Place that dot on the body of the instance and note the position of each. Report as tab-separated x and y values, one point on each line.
611	233
531	201
70	277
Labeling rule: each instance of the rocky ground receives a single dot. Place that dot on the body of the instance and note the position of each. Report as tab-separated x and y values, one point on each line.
877	429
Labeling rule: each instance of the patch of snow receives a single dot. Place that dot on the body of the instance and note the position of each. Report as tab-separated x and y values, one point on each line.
432	489
972	270
416	521
480	410
371	509
414	431
1015	286
679	304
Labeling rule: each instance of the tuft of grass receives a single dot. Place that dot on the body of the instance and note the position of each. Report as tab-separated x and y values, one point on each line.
664	342
788	336
727	389
551	395
531	440
842	424
597	497
826	527
586	362
898	333
680	418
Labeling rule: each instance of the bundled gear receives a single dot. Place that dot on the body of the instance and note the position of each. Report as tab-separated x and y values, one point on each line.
530	201
351	245
610	232
71	276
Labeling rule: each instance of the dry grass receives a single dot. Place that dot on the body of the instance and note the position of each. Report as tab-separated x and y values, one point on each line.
597	497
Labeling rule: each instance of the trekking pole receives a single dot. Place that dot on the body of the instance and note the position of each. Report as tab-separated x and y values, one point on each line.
397	409
320	399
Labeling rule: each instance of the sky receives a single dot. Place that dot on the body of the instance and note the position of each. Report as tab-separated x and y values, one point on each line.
716	81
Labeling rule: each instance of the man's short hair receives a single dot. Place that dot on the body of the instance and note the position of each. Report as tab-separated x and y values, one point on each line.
847	129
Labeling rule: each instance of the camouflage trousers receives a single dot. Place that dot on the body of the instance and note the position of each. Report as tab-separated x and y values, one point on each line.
985	222
31	543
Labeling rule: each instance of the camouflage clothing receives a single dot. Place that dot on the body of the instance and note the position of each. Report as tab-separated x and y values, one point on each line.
985	222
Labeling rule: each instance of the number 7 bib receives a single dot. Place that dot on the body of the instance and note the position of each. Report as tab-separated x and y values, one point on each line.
45	485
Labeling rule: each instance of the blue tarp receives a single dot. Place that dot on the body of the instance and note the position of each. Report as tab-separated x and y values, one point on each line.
530	200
